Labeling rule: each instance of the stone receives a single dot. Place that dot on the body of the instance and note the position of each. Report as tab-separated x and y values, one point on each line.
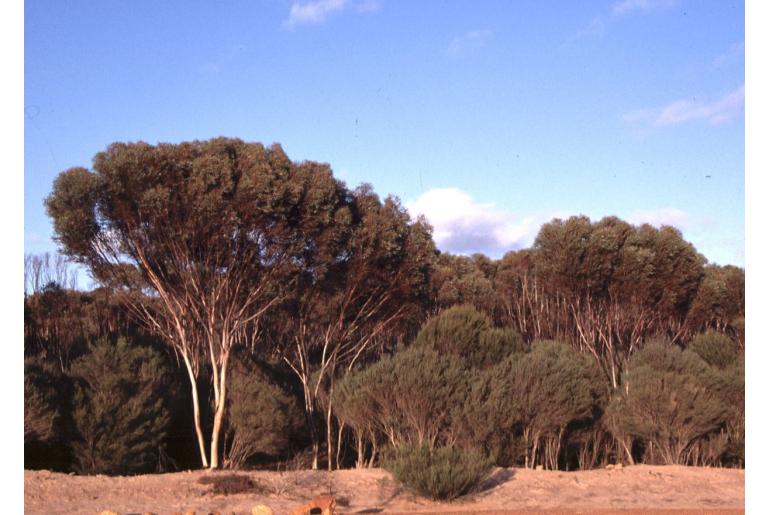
261	509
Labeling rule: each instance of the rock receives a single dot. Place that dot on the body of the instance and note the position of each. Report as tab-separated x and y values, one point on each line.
539	467
109	512
261	509
321	505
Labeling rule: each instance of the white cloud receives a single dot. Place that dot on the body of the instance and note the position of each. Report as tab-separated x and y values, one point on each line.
314	12
681	111
629	6
468	43
463	226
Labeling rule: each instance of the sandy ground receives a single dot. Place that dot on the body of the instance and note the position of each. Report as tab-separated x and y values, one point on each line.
640	489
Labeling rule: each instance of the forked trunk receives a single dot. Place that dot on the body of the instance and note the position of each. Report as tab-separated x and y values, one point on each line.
219	414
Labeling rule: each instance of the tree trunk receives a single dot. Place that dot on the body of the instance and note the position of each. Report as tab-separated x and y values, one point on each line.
360	463
220	412
329	429
196	411
339	445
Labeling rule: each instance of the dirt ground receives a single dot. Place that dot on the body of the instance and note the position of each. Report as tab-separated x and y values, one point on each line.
638	489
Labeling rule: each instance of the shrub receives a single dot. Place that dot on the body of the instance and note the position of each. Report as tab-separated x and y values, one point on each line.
441	473
41	403
537	394
230	484
716	349
466	333
261	417
119	413
669	400
413	397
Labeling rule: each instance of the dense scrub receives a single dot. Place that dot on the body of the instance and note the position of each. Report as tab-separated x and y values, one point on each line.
256	309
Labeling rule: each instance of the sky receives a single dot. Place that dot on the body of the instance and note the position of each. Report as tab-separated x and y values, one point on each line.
489	118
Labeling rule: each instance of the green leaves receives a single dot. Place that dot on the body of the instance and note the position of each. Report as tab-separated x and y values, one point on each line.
670	400
120	414
442	473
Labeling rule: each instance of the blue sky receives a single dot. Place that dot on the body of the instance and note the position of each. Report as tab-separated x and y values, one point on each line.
488	117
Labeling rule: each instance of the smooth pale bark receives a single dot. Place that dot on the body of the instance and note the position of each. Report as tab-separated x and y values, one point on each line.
221	395
196	411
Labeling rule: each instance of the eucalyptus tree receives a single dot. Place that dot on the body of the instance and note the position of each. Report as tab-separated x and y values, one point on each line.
615	284
369	292
200	239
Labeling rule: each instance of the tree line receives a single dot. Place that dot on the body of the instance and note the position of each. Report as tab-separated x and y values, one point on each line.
295	309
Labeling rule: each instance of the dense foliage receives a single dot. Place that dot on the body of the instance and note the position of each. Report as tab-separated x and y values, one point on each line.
119	411
440	473
262	417
318	325
669	401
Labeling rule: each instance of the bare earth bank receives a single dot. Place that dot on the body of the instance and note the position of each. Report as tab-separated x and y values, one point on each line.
641	488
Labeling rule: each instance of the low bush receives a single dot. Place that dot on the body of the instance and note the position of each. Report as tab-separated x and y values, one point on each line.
230	484
441	473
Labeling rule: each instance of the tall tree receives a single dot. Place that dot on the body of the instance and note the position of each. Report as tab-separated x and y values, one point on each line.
201	238
370	291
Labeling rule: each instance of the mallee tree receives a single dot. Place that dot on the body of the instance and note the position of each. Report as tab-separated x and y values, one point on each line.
201	238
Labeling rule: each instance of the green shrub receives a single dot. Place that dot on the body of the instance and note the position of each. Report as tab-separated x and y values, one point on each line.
261	416
441	473
41	403
536	395
716	349
119	412
467	333
669	400
413	397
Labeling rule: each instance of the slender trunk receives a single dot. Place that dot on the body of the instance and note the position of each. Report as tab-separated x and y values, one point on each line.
196	411
339	446
526	448
329	429
374	451
360	449
220	412
535	442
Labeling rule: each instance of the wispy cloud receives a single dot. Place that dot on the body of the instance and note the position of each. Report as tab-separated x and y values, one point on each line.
735	52
630	6
316	12
462	225
368	6
594	27
468	43
716	112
